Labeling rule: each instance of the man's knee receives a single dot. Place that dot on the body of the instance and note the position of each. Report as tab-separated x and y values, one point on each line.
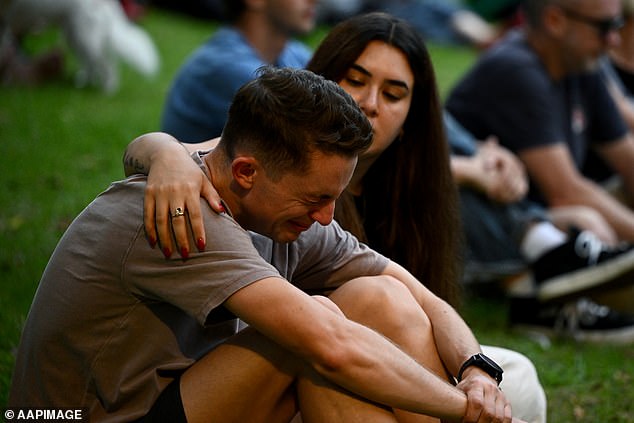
383	303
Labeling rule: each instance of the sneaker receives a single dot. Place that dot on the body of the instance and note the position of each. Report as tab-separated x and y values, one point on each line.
582	320
581	265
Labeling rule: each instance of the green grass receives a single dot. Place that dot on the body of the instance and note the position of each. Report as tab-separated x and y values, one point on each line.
60	147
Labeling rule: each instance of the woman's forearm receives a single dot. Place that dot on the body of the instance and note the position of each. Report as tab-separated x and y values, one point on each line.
141	151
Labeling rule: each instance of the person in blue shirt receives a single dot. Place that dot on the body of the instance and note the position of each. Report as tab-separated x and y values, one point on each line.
258	35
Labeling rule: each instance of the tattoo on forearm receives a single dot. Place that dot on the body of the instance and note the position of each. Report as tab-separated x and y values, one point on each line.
134	165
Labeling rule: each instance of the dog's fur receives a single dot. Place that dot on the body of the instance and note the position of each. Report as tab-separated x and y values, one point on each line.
97	31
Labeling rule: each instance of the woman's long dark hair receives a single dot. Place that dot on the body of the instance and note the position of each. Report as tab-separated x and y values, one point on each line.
408	209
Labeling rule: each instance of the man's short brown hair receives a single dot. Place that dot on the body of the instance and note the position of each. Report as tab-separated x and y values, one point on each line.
285	114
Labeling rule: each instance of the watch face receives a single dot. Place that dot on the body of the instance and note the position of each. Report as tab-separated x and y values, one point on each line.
491	367
488	365
491	363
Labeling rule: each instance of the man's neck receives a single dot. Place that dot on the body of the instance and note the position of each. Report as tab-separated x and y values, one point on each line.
219	172
548	52
266	39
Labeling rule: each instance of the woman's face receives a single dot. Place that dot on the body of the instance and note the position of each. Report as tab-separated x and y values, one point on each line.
381	82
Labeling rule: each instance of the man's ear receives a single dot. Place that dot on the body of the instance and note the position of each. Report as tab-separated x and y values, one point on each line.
554	20
244	170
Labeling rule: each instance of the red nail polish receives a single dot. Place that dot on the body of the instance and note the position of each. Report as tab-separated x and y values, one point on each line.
222	208
184	253
200	243
152	241
167	252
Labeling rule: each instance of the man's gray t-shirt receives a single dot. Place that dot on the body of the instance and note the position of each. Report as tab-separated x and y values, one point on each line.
113	322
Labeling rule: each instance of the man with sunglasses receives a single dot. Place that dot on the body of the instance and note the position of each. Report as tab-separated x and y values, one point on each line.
539	92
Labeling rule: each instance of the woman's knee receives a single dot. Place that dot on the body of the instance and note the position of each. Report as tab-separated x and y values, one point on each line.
521	384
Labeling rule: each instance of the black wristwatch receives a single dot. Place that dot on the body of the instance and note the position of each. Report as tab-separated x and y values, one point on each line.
485	363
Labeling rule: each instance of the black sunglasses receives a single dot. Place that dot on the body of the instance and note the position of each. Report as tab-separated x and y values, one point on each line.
603	26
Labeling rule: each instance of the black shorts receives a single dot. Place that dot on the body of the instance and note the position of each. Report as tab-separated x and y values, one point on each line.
168	407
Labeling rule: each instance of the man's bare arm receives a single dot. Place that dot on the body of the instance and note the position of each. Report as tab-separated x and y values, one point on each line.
620	155
554	172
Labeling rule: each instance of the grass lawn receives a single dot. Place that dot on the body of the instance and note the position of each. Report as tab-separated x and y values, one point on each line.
59	147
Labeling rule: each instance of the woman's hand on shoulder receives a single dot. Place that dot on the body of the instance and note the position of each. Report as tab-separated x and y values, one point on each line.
174	187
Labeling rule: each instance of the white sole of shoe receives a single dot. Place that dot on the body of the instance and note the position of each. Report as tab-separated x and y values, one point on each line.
544	335
619	271
612	337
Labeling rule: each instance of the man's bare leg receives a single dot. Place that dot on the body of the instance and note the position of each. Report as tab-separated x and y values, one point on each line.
247	379
386	306
250	378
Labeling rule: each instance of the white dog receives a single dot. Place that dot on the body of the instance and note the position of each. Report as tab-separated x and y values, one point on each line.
97	31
